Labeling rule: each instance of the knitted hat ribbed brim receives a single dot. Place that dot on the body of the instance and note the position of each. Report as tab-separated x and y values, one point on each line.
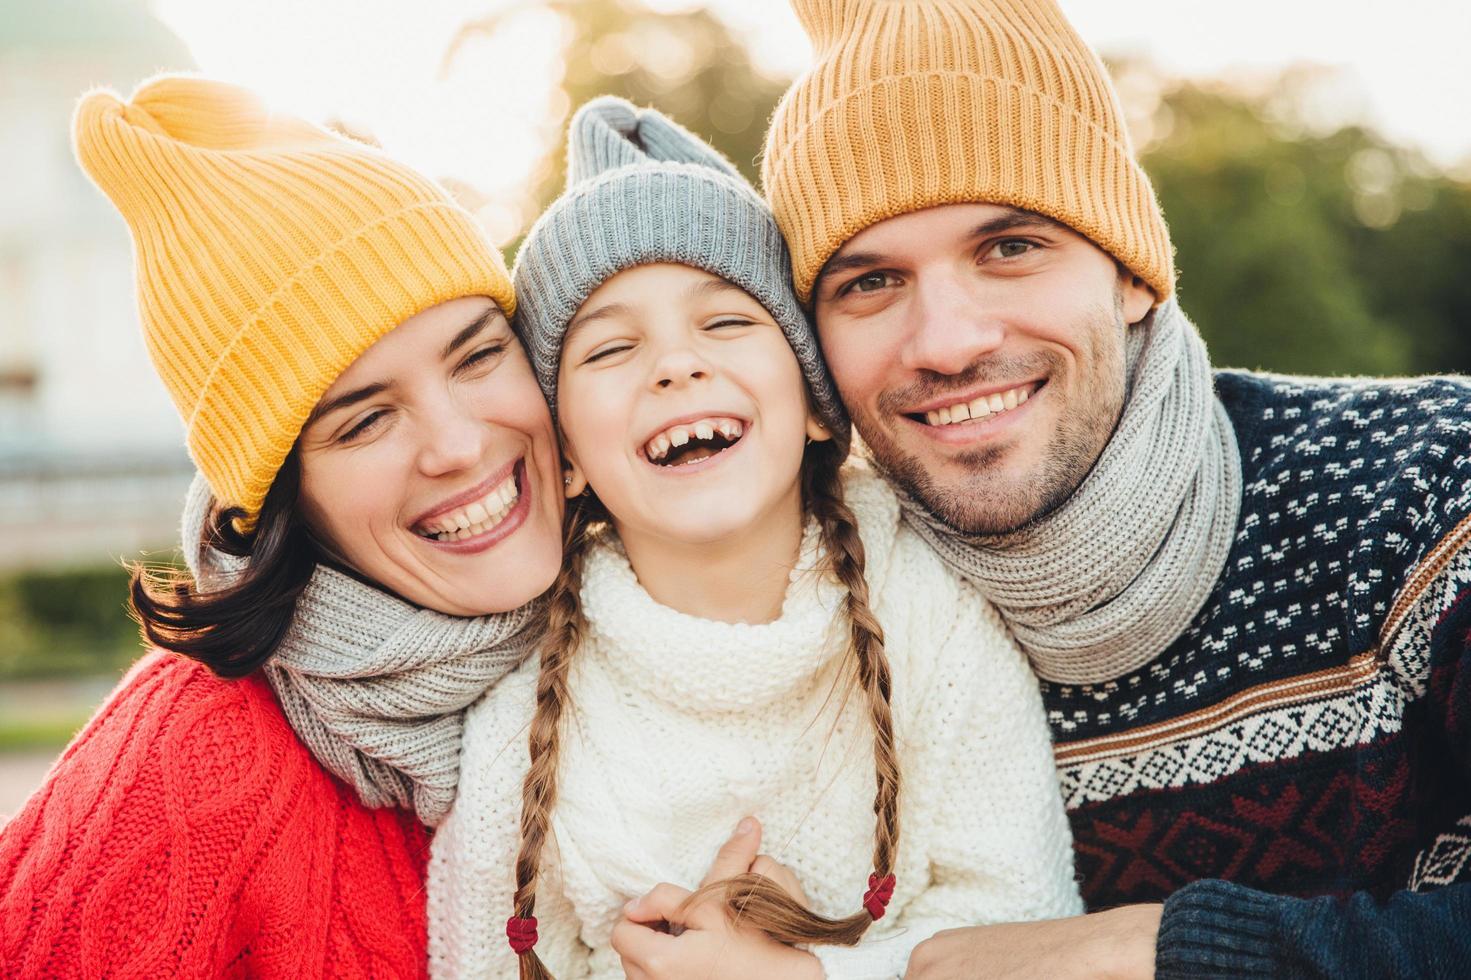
912	105
269	255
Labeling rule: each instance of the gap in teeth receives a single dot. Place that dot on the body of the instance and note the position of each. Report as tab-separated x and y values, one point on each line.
679	435
476	517
979	408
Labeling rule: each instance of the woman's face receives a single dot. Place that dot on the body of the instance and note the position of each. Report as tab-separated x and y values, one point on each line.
430	466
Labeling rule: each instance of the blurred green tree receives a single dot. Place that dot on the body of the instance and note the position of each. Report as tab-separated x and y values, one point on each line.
1315	253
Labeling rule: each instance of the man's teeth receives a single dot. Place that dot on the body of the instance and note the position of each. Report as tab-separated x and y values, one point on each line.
474	518
679	435
980	407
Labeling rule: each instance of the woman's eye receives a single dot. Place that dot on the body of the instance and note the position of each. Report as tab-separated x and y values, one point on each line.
364	425
483	356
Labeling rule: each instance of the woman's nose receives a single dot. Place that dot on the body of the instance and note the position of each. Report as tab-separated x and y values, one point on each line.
454	440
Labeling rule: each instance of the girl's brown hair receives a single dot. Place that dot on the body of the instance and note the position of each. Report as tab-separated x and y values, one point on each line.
233	631
752	899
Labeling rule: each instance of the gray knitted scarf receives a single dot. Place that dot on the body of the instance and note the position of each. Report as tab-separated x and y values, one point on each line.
374	686
1102	585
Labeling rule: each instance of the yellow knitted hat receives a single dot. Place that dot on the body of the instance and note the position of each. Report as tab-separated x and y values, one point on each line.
917	103
270	254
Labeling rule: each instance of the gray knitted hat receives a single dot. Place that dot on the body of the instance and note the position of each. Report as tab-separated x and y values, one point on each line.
643	189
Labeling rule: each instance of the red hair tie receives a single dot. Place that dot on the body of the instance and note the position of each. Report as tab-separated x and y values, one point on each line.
522	933
880	890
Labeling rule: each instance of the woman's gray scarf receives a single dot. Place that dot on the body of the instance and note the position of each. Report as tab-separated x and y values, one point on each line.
375	687
1102	585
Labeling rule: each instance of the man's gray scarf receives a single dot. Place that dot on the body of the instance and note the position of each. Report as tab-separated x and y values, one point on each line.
376	687
1103	584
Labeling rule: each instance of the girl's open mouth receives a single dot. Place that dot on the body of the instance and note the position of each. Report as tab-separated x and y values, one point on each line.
688	443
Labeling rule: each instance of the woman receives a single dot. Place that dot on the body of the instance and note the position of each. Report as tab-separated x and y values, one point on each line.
379	459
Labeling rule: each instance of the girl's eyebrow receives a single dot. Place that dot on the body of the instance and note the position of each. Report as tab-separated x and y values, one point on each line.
601	313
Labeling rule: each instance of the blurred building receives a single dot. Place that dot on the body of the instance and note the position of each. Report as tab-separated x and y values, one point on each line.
91	458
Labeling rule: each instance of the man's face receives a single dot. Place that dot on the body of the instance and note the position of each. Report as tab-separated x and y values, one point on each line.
980	352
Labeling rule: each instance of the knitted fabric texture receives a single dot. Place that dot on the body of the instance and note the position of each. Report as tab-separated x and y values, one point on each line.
1111	577
911	105
269	254
1307	734
678	726
186	832
642	189
376	687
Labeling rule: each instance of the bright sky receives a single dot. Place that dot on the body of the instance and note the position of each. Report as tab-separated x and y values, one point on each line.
484	117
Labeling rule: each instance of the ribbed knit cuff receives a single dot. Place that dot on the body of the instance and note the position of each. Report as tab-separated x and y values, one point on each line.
1217	929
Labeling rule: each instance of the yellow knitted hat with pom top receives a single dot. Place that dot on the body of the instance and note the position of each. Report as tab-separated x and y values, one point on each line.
916	103
270	254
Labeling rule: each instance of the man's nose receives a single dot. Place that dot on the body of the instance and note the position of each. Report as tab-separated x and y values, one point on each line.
951	327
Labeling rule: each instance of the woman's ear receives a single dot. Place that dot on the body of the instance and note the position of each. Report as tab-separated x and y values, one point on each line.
816	430
574	484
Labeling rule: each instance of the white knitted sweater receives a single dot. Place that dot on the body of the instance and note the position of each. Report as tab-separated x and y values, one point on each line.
680	726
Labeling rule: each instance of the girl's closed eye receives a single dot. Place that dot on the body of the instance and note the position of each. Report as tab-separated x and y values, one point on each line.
606	351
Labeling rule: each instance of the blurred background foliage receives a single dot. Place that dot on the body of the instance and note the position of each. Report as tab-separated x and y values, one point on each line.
1303	248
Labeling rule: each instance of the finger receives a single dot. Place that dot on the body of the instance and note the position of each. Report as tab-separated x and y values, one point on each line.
638	947
659	904
737	853
784	876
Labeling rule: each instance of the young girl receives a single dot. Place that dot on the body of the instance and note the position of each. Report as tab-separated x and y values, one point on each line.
742	626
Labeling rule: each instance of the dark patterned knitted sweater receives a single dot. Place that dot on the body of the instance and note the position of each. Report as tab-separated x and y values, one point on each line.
1310	732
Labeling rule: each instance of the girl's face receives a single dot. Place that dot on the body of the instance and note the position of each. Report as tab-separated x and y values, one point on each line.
430	466
682	405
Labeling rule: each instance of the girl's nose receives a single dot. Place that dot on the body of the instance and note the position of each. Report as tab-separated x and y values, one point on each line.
679	366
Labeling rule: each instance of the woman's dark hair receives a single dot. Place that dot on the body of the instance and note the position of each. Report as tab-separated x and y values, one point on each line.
234	630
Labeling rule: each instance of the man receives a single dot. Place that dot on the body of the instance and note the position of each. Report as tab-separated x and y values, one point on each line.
1247	596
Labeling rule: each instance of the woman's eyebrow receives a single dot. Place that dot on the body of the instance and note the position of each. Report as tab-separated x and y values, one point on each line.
465	335
346	399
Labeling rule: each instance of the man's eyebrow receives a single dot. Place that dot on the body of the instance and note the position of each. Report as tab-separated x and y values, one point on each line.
1013	218
1007	220
465	335
346	399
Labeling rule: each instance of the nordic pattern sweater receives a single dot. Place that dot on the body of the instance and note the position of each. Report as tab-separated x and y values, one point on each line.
1305	745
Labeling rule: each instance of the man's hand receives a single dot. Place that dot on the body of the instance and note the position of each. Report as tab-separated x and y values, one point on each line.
1113	945
661	939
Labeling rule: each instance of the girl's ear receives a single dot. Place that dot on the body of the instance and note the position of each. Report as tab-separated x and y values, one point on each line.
816	431
573	482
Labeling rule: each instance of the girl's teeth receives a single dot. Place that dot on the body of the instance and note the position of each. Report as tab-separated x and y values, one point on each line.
678	436
704	430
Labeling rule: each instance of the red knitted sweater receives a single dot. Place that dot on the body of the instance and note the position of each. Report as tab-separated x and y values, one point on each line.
188	833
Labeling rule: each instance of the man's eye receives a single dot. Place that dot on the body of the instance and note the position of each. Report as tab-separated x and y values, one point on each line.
1013	247
869	281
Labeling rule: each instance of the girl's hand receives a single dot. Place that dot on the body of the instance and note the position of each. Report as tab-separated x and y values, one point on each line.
704	943
709	947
